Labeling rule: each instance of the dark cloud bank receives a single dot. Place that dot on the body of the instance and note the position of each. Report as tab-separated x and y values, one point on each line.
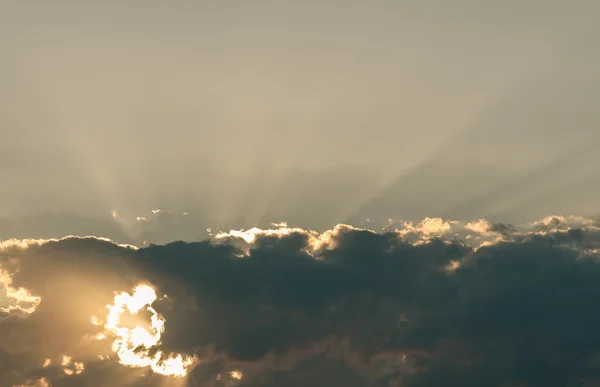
433	304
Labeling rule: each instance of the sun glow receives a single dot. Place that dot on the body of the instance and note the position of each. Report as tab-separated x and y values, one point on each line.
71	367
136	347
18	300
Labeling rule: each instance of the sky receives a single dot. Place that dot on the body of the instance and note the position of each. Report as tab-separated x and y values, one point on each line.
247	130
315	113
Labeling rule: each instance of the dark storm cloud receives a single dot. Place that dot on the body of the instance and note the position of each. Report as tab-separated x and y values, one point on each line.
432	304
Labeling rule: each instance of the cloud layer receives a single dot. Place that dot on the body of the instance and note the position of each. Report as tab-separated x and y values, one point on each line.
433	303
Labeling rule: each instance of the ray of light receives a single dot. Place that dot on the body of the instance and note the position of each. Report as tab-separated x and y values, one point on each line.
573	192
518	188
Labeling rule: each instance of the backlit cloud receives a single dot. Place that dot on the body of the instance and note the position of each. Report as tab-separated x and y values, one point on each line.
431	303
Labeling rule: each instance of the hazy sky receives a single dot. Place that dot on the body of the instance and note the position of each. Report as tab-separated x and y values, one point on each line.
168	121
313	112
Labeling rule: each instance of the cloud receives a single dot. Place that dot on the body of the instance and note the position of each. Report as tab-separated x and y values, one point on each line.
432	303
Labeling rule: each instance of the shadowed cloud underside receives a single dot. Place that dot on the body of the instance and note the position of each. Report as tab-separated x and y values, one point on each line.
432	303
